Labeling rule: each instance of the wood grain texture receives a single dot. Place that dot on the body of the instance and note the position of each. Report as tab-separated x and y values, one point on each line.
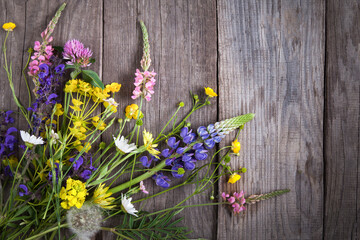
12	11
271	60
182	37
271	63
342	141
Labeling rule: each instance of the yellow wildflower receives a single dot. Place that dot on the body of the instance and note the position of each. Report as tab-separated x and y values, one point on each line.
99	124
132	111
102	197
234	178
99	94
113	87
150	147
84	87
235	146
74	194
71	85
111	102
210	92
12	161
78	133
59	109
9	27
87	147
77	103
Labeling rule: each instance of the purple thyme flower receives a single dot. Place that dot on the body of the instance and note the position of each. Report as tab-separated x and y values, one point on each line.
75	52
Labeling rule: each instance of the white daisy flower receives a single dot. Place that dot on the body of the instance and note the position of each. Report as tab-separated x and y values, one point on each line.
123	145
111	101
127	206
54	136
31	140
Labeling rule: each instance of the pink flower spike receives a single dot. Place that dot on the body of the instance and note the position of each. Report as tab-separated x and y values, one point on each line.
242	208
224	195
231	199
142	188
236	207
243	201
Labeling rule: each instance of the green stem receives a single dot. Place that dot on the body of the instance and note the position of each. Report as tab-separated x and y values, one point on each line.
146	175
47	231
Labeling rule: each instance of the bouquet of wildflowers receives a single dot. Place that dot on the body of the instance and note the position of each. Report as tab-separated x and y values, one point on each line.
57	175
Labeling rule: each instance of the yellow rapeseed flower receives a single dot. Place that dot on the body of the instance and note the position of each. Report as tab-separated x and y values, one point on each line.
99	94
235	146
9	27
102	197
210	92
59	109
132	111
77	103
113	87
74	194
99	124
71	85
148	143
234	178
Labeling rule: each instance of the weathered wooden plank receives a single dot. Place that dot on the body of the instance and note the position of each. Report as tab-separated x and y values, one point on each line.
342	114
271	63
12	11
183	50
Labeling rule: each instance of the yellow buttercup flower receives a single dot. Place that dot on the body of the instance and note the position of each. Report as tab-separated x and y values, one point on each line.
132	111
102	197
235	146
9	27
210	92
59	109
74	194
148	143
234	178
113	87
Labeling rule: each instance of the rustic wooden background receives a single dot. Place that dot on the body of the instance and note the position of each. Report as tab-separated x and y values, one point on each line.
295	63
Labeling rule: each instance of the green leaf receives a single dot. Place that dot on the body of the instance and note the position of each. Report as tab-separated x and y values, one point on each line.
75	73
59	49
69	66
92	78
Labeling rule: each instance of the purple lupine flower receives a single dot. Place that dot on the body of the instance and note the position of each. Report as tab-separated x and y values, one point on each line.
23	190
175	170
77	163
76	53
161	180
145	161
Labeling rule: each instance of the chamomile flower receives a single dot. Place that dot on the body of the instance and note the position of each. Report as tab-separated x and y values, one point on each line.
54	136
127	206
31	140
123	145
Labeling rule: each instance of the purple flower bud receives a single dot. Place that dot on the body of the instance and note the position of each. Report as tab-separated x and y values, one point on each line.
145	161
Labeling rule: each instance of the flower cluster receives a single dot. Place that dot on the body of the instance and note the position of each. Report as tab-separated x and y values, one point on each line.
7	143
237	201
76	53
48	82
144	84
80	169
74	194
